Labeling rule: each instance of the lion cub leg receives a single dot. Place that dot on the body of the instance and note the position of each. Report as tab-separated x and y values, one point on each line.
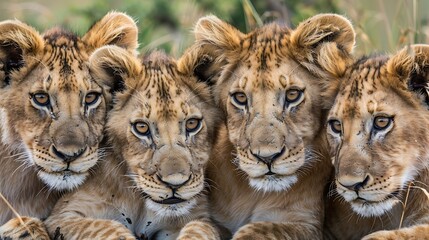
33	228
276	231
70	226
414	232
201	229
87	214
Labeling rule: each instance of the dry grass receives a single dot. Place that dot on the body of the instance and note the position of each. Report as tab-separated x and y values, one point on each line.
17	215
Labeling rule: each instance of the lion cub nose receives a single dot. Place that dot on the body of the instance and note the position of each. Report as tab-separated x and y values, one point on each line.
354	183
175	181
68	157
174	173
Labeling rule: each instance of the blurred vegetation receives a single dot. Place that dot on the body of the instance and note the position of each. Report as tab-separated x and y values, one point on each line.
381	25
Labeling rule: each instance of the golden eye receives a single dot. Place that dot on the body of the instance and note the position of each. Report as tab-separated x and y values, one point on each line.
292	95
91	98
335	126
193	124
382	122
240	98
141	128
41	99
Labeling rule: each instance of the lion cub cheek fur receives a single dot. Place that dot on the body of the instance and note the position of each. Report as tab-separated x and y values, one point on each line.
264	132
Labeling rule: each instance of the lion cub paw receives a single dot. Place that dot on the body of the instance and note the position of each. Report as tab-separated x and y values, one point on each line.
33	228
383	235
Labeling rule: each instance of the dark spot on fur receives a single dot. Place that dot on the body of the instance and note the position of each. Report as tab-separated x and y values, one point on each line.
129	220
148	223
58	235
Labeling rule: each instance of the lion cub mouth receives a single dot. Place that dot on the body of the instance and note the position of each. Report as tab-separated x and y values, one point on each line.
171	200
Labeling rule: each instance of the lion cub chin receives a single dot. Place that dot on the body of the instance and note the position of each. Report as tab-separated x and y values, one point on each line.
160	132
274	86
378	131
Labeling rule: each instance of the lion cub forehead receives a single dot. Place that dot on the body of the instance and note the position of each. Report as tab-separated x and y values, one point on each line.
265	49
365	89
164	95
65	58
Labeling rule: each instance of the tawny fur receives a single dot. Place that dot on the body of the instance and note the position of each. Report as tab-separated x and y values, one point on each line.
246	199
32	174
387	163
123	199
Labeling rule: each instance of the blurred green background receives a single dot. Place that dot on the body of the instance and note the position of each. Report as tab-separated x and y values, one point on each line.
381	25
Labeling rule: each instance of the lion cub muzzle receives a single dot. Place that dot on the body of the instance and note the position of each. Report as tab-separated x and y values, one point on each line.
174	171
266	142
69	139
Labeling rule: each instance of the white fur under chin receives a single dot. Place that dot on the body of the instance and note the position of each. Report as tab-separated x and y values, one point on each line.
373	209
273	183
62	181
171	210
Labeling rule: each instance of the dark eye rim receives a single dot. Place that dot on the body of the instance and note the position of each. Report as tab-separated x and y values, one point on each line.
33	97
331	125
200	120
390	118
147	133
97	96
300	92
233	96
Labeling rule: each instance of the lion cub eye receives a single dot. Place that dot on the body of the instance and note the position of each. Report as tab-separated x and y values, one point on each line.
382	122
41	99
292	95
141	128
335	126
91	98
193	124
240	98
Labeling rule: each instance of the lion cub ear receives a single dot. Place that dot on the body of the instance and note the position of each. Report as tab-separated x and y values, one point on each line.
113	29
411	66
18	42
323	44
115	68
224	38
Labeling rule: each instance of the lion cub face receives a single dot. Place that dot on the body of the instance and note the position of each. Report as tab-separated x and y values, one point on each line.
270	89
162	126
51	108
378	130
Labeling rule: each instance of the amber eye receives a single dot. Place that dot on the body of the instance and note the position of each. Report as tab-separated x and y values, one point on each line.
193	124
292	95
41	99
335	126
382	122
91	98
240	98
141	128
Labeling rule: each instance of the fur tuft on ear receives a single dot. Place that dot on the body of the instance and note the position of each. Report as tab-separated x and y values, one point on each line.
115	68
211	30
17	42
113	29
411	66
323	44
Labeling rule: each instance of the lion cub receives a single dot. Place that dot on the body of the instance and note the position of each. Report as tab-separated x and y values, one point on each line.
52	115
378	131
160	134
271	161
